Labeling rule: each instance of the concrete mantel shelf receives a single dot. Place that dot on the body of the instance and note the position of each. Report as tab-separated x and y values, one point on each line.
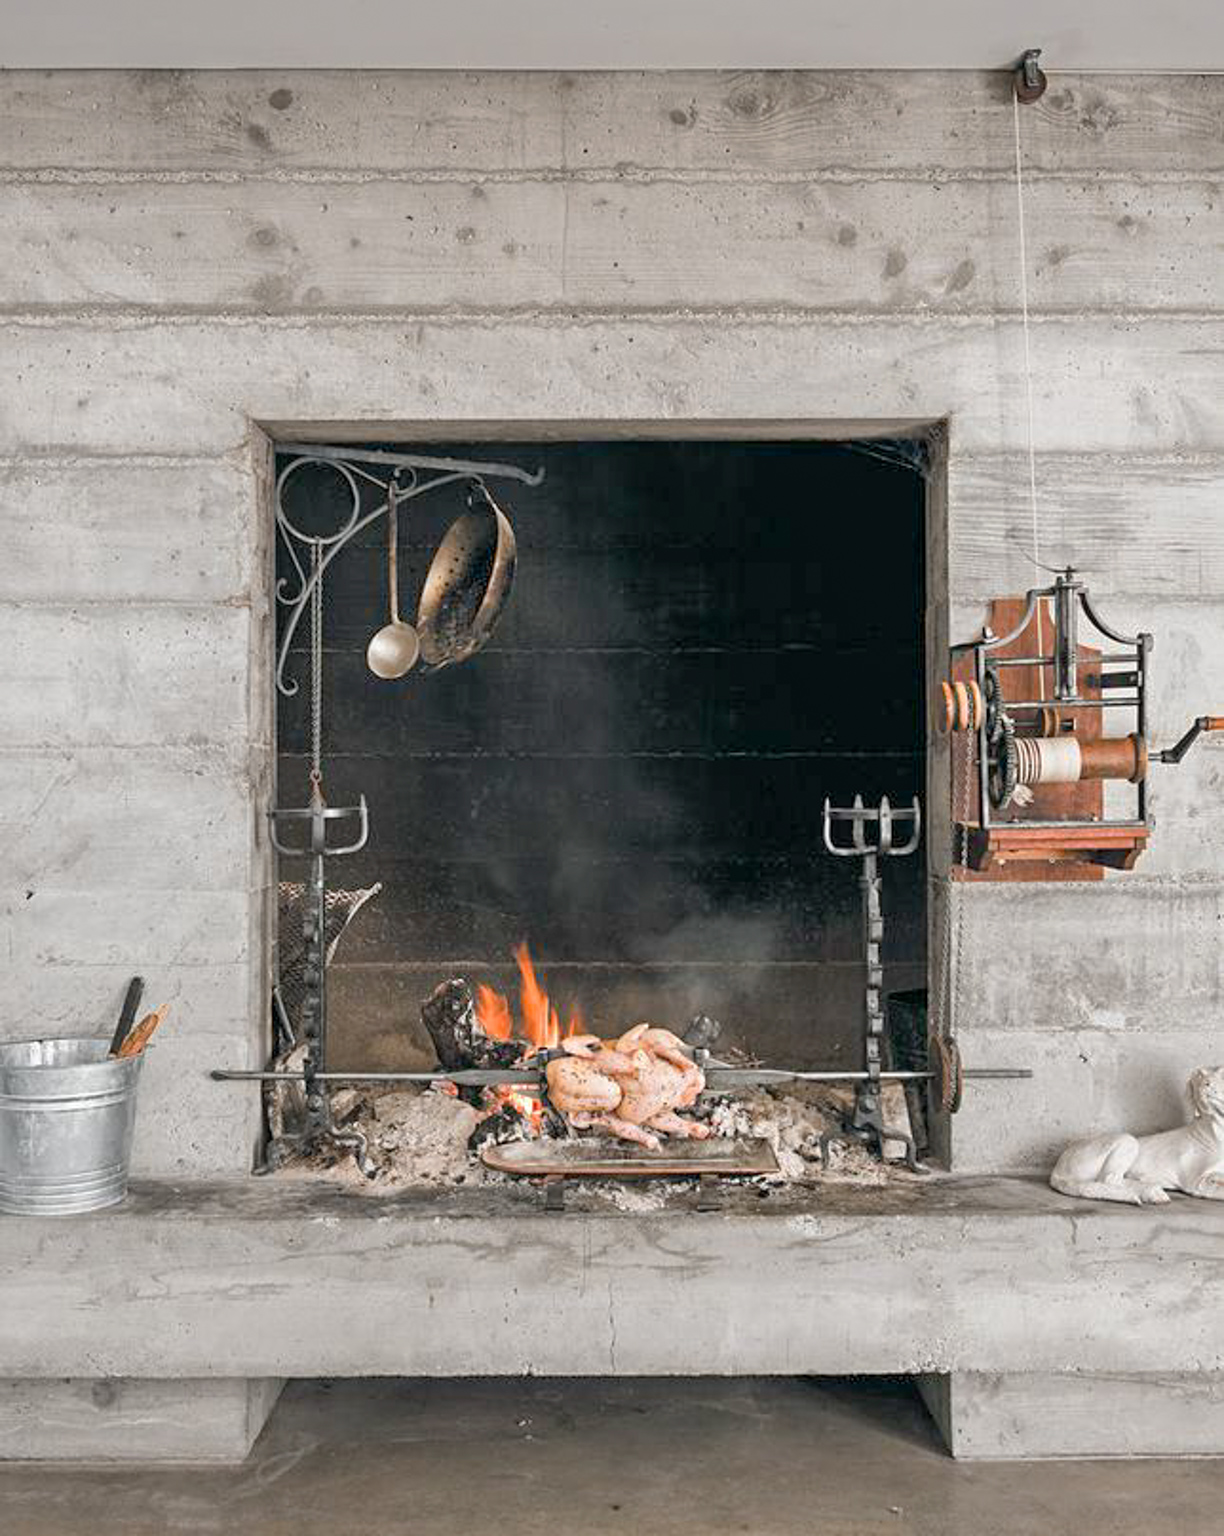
286	1277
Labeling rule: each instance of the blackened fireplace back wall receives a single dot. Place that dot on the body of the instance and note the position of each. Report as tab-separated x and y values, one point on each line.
704	640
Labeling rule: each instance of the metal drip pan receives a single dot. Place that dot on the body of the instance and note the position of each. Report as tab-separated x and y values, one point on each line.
610	1160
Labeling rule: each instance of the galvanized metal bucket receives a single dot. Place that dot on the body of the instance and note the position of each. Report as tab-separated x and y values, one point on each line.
67	1112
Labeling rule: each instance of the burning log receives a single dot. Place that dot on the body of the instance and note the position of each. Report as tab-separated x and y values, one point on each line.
631	1088
449	1014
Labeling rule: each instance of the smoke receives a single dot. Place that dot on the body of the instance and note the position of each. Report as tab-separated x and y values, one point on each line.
630	777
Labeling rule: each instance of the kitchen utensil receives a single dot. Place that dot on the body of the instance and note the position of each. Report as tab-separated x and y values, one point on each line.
468	583
127	1013
135	1042
393	651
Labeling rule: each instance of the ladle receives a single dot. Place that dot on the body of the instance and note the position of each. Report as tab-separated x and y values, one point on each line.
393	651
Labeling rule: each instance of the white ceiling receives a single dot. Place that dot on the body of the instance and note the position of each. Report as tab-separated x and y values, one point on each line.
1126	35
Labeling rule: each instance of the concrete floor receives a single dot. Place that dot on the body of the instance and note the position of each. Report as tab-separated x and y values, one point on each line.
774	1457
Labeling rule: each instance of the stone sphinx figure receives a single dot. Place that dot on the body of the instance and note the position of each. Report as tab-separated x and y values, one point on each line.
1141	1170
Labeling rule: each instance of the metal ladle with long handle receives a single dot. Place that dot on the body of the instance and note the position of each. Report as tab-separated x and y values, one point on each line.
393	651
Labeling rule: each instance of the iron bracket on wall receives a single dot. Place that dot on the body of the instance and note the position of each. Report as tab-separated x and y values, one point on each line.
412	475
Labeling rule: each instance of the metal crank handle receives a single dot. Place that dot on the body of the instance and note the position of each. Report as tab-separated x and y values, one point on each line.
1178	750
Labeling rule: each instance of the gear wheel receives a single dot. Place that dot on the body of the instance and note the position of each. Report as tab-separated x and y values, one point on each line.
1003	767
994	704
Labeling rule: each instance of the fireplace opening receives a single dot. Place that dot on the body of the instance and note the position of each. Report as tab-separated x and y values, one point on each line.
705	640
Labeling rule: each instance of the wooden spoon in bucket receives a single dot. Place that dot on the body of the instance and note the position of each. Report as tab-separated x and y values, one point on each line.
139	1037
393	651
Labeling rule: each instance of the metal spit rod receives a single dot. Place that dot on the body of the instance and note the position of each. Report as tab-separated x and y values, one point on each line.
716	1077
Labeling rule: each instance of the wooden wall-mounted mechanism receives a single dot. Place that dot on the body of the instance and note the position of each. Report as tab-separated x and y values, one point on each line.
1029	710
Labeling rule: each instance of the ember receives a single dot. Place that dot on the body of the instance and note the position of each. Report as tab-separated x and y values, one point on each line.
541	1030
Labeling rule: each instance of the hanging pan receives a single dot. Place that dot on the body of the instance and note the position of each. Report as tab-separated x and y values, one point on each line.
468	583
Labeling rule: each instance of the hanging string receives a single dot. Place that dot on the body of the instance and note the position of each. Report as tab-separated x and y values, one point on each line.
951	983
949	986
1028	370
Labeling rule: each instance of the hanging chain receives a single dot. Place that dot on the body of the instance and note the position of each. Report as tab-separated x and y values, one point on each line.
956	891
316	675
950	976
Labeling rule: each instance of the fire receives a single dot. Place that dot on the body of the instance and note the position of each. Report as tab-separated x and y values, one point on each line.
539	1016
541	1030
541	1022
531	1108
493	1013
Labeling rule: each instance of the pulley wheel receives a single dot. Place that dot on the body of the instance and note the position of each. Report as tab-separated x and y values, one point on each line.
945	709
958	706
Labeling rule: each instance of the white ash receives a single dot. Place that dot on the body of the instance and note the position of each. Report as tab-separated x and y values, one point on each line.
420	1137
793	1123
636	1196
415	1136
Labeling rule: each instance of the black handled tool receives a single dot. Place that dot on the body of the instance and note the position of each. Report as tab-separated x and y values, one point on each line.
128	1013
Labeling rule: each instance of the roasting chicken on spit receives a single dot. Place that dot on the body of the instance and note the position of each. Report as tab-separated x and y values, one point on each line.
631	1087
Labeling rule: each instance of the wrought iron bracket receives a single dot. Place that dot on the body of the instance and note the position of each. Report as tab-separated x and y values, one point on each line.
411	475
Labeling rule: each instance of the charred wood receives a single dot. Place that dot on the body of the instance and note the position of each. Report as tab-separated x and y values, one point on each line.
449	1014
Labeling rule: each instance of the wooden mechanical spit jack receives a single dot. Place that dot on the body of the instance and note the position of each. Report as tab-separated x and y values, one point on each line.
1029	704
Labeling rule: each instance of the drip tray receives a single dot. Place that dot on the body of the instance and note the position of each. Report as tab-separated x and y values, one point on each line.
610	1160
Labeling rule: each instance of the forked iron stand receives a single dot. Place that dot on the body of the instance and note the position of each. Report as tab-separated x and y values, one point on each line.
866	1121
317	1124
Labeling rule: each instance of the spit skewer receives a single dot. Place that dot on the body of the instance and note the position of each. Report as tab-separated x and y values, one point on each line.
717	1078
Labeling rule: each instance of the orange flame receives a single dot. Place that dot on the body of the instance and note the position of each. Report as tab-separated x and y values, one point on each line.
493	1013
541	1029
541	1022
539	1016
531	1108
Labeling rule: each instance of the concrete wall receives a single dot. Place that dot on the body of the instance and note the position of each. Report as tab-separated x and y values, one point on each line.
184	254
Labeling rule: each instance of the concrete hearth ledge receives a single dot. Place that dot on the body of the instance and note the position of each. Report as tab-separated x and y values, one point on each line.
275	1278
1016	1308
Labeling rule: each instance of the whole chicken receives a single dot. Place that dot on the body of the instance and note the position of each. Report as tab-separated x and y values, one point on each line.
631	1087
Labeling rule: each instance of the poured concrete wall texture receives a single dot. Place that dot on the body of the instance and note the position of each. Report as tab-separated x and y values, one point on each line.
187	259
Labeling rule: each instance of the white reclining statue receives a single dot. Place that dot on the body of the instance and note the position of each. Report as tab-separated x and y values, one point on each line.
1140	1170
